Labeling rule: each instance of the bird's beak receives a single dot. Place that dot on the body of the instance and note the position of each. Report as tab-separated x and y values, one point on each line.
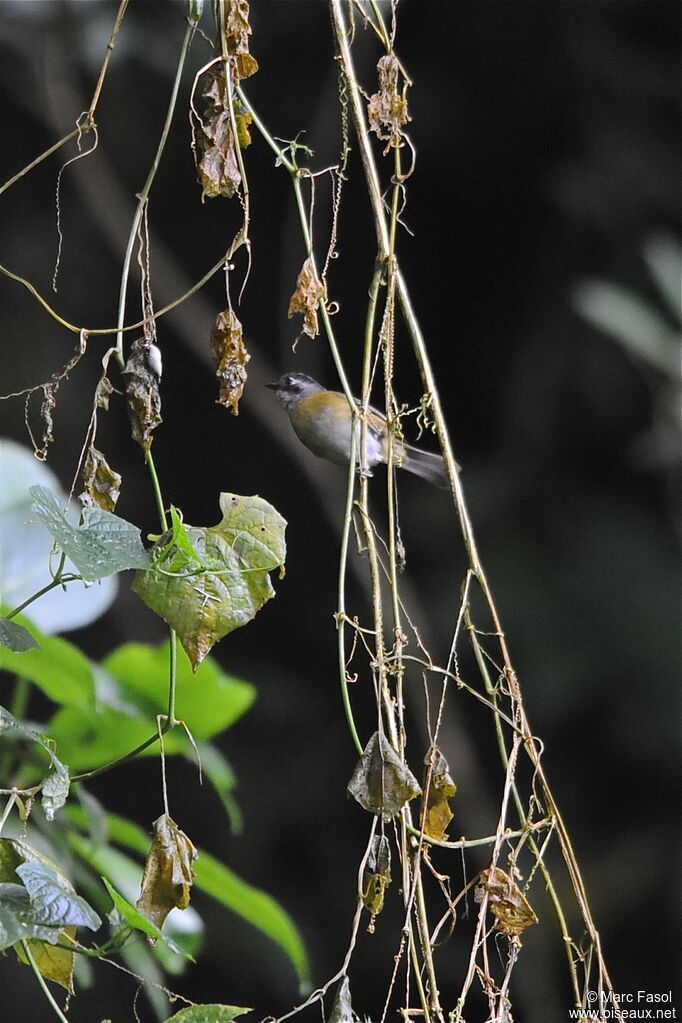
273	387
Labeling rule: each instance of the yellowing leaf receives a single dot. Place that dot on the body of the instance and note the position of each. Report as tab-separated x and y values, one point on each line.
168	873
225	583
230	356
376	877
506	901
441	787
306	298
54	963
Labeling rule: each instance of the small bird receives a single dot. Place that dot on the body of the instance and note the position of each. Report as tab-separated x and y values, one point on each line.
323	420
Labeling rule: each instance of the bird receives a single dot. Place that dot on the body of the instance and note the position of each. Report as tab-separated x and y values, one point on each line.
323	421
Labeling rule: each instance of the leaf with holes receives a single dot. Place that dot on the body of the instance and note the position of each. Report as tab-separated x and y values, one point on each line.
228	582
103	545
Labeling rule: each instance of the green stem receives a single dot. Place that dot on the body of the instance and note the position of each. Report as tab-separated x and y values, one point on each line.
130	755
57	580
172	677
41	980
160	507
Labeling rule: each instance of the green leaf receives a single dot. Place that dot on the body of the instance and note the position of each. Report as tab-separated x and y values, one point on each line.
133	690
208	701
138	922
205	604
208	1014
27	550
55	789
56	785
103	545
58	668
44	907
89	738
15	918
16	637
52	903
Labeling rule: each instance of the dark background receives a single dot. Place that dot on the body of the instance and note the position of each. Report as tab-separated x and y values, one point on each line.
547	142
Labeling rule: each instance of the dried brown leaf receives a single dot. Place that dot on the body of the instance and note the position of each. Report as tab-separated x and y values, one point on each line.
218	168
102	485
376	877
168	873
103	392
142	391
381	782
386	109
441	788
230	357
309	292
237	32
507	902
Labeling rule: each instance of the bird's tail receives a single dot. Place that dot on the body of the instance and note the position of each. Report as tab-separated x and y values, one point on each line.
426	464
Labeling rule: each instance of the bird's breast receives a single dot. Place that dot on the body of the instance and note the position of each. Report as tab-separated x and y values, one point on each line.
323	423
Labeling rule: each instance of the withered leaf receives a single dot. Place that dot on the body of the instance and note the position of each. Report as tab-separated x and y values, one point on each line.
342	1009
306	298
243	120
386	109
218	168
168	873
142	392
441	787
376	877
381	783
103	392
102	484
230	356
237	32
507	902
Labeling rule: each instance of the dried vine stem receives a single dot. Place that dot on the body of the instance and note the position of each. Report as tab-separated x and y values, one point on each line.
525	739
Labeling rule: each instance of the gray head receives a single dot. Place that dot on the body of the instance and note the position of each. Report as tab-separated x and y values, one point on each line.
291	388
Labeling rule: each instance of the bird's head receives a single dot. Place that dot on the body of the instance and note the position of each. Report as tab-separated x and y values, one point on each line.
292	388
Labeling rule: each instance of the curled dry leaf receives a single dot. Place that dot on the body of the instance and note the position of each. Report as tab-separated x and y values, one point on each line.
387	110
381	782
230	356
237	32
103	392
507	902
142	392
376	877
168	873
441	788
218	169
342	1008
102	485
310	291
